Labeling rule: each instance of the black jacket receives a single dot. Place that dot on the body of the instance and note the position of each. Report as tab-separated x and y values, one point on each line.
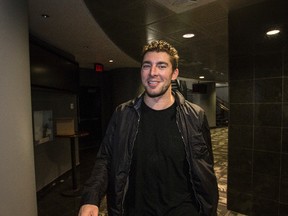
110	175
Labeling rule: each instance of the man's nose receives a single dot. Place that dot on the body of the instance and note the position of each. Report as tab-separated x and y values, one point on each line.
153	70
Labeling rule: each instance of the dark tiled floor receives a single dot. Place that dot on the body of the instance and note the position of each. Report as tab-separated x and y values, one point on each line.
53	203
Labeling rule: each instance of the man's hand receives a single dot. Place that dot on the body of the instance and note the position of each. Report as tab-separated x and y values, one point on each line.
88	210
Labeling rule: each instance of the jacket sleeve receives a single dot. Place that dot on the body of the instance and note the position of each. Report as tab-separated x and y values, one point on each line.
207	137
196	133
203	175
95	187
212	186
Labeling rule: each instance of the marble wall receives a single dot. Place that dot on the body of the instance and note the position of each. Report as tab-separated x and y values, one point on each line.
258	124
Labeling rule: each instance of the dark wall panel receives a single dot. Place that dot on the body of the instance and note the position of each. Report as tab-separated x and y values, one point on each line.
50	70
54	80
257	165
53	159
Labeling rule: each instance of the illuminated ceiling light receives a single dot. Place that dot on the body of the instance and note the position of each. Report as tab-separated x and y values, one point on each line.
111	61
189	35
201	77
273	32
182	2
45	16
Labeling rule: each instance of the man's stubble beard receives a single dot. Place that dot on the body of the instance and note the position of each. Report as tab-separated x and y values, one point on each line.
162	92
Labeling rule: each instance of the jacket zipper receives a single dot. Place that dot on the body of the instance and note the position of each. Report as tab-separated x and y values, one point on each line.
187	158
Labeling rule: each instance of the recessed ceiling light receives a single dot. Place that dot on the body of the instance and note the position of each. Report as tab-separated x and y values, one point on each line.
273	32
189	35
201	77
45	16
111	61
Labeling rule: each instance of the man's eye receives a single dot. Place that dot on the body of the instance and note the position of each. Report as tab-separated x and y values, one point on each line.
162	66
146	66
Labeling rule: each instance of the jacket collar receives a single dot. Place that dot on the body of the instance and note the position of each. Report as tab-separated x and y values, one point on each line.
179	98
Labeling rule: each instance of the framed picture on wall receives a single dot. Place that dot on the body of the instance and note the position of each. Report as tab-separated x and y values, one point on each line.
43	126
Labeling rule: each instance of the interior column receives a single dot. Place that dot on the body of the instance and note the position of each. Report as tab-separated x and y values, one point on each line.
17	181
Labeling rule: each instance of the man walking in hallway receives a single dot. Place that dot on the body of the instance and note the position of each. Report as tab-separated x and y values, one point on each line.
156	158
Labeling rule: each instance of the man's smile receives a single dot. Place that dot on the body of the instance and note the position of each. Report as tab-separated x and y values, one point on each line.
153	83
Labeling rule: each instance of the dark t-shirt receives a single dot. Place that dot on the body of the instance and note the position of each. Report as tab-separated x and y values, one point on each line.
159	181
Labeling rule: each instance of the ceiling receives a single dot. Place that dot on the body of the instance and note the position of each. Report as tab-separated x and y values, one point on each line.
97	31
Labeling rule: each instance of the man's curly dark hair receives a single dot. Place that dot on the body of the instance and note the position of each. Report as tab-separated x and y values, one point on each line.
163	46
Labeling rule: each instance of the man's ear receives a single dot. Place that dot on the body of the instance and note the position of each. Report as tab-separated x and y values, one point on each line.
175	74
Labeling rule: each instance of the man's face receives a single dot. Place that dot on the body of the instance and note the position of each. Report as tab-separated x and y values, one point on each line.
157	73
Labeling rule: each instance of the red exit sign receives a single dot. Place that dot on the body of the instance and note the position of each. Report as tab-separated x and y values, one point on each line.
99	68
